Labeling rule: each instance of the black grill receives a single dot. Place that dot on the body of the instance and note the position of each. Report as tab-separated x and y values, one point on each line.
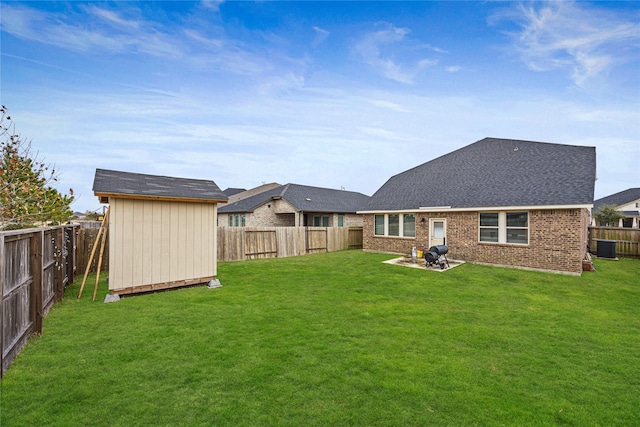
439	249
436	255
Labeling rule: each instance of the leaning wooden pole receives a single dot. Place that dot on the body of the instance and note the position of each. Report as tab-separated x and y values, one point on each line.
93	252
102	245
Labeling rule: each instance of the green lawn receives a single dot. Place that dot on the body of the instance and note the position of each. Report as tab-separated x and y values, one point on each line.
341	339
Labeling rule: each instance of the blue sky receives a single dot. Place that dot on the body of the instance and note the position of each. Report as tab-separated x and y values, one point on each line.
329	94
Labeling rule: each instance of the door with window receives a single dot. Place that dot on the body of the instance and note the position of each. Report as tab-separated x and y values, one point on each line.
437	232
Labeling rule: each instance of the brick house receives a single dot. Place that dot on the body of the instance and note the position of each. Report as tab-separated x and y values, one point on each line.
294	205
497	201
628	203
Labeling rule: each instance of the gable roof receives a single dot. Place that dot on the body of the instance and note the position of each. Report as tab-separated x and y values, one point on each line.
620	198
232	191
494	172
110	183
252	192
303	198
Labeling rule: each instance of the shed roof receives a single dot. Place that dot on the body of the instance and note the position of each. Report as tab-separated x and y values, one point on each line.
303	198
620	198
494	172
110	183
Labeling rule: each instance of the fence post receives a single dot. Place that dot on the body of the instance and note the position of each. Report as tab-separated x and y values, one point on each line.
35	267
2	280
70	246
59	268
306	240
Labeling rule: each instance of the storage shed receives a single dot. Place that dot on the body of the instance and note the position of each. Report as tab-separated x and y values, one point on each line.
162	230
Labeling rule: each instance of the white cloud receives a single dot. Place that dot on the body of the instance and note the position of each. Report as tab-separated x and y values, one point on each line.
390	105
382	50
281	84
321	36
211	42
213	5
112	17
570	36
70	32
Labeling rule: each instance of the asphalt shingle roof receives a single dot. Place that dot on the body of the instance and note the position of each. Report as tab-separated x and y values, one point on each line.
303	198
494	172
232	191
621	198
154	186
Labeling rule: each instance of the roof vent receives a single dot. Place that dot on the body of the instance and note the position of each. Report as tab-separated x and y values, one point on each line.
308	199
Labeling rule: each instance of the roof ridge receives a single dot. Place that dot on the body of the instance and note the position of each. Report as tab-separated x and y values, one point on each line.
152	175
284	189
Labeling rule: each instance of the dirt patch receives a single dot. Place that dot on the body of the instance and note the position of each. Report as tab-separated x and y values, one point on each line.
421	263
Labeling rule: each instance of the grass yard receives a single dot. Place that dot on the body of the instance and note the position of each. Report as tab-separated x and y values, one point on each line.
341	339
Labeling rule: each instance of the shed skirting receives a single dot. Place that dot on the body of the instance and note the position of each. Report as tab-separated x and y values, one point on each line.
161	286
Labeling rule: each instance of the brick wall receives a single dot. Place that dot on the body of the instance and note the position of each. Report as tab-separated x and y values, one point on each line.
557	240
276	213
280	213
350	220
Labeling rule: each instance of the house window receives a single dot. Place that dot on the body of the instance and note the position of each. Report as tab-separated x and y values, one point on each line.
393	228
340	220
320	221
378	225
409	225
504	227
237	221
627	222
395	225
518	228
489	227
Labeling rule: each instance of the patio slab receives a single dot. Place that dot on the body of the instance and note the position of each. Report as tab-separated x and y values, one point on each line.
422	264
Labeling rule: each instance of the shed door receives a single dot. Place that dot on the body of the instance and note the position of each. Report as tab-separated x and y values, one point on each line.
437	231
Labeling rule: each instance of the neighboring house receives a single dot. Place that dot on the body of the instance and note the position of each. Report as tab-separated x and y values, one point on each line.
239	195
231	191
628	203
162	230
497	201
294	205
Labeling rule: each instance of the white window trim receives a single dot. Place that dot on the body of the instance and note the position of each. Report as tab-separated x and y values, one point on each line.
502	229
386	226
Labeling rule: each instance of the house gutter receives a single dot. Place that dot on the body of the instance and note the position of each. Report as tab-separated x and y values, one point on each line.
476	209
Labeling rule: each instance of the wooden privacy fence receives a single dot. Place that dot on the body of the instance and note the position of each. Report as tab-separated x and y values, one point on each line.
85	244
35	267
240	243
627	240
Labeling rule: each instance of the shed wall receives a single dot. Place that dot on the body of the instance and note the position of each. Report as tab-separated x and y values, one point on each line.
160	242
